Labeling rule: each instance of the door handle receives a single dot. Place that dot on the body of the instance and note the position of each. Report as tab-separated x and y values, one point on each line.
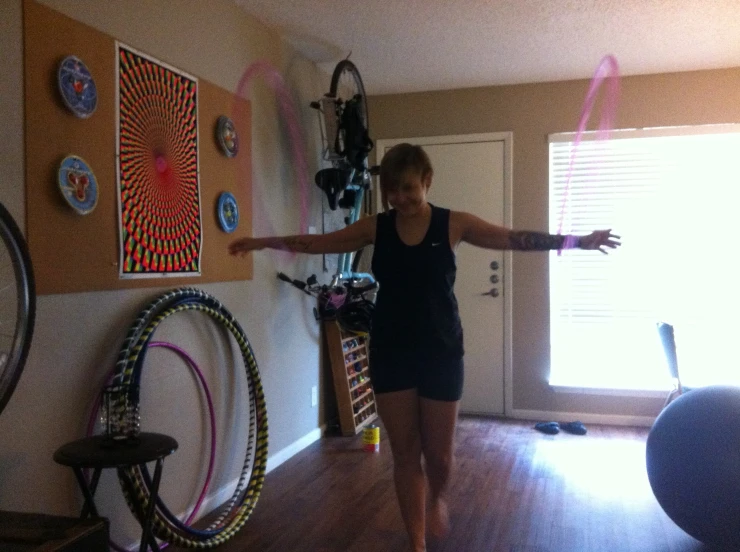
492	293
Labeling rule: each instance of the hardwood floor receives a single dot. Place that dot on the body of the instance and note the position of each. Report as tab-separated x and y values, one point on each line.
514	490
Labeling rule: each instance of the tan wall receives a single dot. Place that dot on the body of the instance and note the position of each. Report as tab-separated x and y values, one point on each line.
532	112
77	336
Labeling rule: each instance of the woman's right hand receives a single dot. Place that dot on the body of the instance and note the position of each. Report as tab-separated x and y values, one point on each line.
242	246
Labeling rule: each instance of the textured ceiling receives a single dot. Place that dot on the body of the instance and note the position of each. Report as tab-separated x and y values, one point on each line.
417	45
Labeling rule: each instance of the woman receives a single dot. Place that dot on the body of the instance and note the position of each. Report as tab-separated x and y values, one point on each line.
416	341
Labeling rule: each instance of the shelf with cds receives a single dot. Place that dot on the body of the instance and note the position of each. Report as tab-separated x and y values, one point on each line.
349	358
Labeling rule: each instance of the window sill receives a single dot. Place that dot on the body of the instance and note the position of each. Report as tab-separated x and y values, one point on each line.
614	392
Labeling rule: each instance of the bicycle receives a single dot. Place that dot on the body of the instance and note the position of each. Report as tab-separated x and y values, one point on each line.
348	303
17	305
343	120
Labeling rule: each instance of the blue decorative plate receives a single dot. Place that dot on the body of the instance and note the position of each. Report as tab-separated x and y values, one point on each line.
78	184
77	87
227	136
228	212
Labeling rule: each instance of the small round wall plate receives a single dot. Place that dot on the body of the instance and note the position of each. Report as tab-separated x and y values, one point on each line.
227	136
77	87
228	212
78	184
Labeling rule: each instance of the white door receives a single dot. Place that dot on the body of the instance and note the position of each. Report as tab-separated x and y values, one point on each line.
472	173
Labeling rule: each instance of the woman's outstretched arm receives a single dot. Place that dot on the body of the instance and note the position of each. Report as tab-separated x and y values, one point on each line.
476	231
353	237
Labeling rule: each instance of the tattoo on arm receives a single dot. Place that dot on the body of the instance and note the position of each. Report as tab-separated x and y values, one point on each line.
300	244
297	243
535	241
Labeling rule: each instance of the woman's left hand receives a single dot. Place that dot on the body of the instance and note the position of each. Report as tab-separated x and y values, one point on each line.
599	239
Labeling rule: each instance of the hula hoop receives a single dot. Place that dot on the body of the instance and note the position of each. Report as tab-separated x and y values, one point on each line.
607	71
166	512
212	415
212	456
292	120
135	483
134	480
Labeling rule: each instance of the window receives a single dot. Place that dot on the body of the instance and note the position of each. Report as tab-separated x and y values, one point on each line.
673	195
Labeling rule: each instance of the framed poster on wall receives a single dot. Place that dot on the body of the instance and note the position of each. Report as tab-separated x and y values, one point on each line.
159	208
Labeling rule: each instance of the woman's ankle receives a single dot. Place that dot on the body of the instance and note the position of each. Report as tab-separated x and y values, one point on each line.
438	518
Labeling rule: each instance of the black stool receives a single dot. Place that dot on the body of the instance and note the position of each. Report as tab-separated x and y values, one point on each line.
101	452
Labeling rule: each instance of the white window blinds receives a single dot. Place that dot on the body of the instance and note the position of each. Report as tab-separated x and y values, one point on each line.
672	194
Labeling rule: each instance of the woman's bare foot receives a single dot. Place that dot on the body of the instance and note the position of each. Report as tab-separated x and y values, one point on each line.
438	519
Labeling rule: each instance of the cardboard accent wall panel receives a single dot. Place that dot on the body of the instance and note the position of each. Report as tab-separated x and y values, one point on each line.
75	253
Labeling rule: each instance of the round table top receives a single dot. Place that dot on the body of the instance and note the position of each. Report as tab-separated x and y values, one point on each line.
100	451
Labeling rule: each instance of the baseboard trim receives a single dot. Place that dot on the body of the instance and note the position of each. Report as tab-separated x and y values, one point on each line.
294	448
218	498
586	418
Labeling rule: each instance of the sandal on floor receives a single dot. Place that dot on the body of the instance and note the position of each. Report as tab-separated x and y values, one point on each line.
576	428
548	428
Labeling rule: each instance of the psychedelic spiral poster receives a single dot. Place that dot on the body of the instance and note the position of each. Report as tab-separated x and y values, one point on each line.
157	163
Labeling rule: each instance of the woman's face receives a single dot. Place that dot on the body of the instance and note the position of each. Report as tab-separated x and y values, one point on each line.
410	197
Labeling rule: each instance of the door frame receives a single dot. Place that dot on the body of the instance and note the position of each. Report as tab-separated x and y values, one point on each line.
508	139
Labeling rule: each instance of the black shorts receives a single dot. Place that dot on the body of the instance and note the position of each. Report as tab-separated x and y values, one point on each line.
434	375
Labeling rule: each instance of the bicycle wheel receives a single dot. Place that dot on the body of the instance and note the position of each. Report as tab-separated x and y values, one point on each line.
346	86
353	141
346	83
17	305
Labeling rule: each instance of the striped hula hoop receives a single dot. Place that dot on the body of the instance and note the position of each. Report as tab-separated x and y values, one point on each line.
135	481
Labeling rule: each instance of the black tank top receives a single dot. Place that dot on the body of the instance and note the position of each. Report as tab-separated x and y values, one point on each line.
416	304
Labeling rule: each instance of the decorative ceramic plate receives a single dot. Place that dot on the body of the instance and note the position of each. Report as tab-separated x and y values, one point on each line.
228	212
77	87
78	184
227	137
